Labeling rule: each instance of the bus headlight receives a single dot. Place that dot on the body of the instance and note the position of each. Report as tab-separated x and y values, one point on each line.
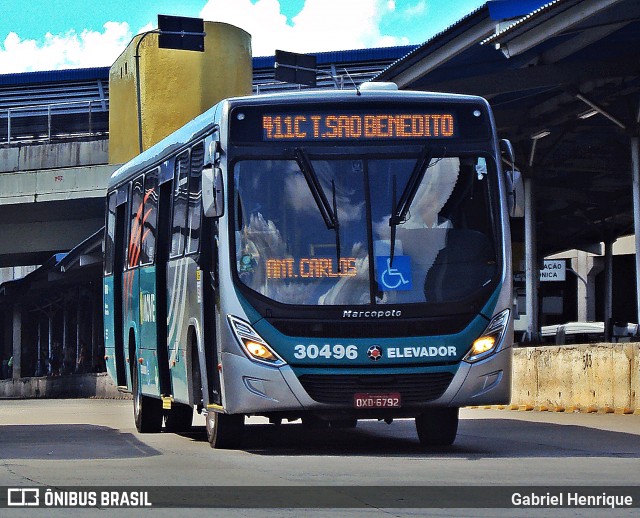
490	339
255	347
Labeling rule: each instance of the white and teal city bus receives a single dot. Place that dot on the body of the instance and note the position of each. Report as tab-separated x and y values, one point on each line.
327	256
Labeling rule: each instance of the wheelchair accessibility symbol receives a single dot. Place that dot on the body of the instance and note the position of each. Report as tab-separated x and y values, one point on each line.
396	276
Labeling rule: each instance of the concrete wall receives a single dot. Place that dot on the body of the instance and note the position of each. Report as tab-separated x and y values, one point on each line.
581	377
71	386
29	157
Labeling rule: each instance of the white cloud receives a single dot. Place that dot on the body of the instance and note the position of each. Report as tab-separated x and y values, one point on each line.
321	25
67	50
418	9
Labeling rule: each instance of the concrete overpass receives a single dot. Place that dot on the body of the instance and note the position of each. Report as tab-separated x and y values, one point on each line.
51	197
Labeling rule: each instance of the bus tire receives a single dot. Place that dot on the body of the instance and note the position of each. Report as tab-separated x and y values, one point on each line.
224	431
179	418
313	422
147	411
343	423
437	426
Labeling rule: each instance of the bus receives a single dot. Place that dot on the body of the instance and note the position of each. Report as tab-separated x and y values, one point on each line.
329	256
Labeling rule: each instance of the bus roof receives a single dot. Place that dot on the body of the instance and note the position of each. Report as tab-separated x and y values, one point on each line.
369	94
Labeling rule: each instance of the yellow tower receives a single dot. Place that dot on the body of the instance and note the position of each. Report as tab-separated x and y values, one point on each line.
175	86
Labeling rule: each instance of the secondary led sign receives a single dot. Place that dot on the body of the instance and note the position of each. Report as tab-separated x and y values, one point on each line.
310	268
361	126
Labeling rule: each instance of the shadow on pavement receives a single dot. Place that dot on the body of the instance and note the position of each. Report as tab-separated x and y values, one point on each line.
69	442
477	439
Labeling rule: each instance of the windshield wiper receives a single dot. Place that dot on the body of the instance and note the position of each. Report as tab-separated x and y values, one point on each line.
399	210
329	214
336	224
394	209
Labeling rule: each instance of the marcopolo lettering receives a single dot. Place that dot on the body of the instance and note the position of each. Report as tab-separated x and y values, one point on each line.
348	313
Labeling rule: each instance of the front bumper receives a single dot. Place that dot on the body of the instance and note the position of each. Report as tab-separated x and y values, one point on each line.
252	388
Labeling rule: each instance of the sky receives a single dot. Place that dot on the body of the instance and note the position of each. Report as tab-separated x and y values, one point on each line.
62	34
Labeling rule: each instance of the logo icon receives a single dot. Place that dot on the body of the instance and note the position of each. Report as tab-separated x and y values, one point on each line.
23	497
374	353
396	277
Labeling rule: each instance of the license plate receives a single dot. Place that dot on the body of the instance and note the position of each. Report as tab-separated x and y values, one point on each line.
366	400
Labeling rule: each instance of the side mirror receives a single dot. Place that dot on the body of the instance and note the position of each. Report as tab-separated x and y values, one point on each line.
212	192
506	149
515	193
515	185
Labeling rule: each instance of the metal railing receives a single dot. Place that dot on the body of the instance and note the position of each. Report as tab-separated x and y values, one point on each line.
64	119
339	81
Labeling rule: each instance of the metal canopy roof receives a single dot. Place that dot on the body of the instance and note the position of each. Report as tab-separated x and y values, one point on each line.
47	284
350	67
543	75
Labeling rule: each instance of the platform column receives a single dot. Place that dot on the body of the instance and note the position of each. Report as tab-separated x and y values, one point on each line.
532	268
17	342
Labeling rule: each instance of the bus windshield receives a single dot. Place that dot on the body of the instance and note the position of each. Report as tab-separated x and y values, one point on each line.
444	250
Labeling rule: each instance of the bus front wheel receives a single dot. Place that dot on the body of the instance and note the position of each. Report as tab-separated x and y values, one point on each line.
437	426
343	423
313	422
147	411
224	431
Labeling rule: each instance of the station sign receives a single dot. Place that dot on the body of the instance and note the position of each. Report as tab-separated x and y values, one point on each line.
553	270
295	68
180	33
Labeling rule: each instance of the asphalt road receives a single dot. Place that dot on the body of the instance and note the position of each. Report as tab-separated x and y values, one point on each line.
59	443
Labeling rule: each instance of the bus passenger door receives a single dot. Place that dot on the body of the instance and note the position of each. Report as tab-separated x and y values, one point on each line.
162	256
212	209
120	244
209	312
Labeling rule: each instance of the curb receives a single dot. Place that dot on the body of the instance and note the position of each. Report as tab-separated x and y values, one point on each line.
591	409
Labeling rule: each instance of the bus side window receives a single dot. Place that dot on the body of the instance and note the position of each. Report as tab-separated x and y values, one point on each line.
135	227
149	217
109	250
180	195
195	198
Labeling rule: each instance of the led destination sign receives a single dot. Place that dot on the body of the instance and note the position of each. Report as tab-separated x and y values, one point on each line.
357	126
349	123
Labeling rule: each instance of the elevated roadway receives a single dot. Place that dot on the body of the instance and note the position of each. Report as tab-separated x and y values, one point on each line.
51	197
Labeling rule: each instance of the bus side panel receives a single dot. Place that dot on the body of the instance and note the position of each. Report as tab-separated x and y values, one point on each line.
184	306
148	335
109	328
